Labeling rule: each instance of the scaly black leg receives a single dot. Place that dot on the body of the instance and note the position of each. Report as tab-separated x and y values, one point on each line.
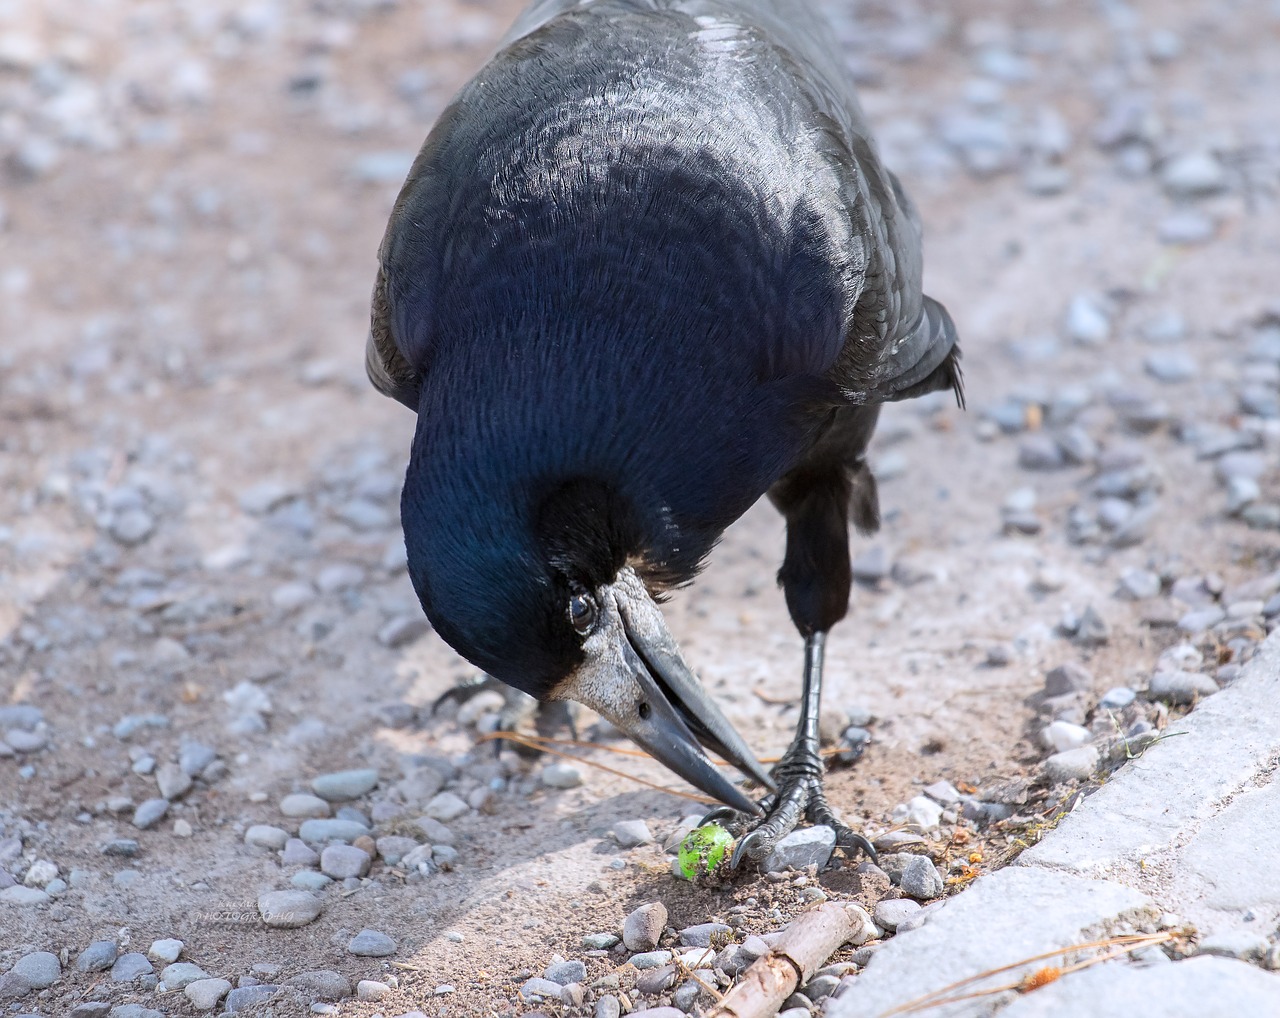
799	778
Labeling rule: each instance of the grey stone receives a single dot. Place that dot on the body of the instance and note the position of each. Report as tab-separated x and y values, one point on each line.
921	879
322	984
872	566
650	959
297	852
446	806
1088	322
599	941
38	969
319	831
1072	765
132	526
701	934
1061	736
403	630
194	757
90	1009
26	742
393	848
657	980
129	967
1139	584
978	931
301	806
166	950
1186	226
19	895
1247	945
343	861
558	775
97	957
266	836
342	786
310	880
566	972
371	989
630	833
371	944
538	989
1171	365
205	994
608	1006
173	781
177	975
1117	698
1068	677
943	792
1201	619
807	846
150	813
289	909
642	928
1039	451
1193	988
133	1011
1181	687
1193	175
244	997
891	911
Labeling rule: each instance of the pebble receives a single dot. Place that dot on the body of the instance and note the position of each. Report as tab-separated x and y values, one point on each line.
919	815
131	527
599	941
566	972
650	959
266	836
244	997
808	846
289	909
921	879
1061	736
97	957
322	984
1087	321
1193	175
173	781
194	757
403	630
177	975
630	833
1068	677
166	951
701	934
537	989
38	969
657	980
608	1006
371	944
1138	584
1171	366
371	989
90	1009
1201	619
557	775
1039	451
318	831
310	880
25	742
205	994
642	928
129	967
392	848
1092	630
1072	765
1181	686
42	872
1243	944
298	853
872	566
342	786
891	911
1186	226
300	805
446	806
343	861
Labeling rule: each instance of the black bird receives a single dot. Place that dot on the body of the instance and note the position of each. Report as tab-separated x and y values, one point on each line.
646	268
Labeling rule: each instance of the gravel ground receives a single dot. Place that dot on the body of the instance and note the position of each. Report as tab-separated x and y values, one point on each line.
220	772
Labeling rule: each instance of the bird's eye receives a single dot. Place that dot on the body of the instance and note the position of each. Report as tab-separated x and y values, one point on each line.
582	613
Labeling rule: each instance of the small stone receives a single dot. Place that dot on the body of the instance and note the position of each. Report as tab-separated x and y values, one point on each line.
318	832
343	861
537	989
266	836
608	1006
289	909
599	941
702	934
566	972
244	997
173	781
371	989
40	873
322	984
1139	584
298	853
1186	226
132	526
943	792
1201	620
342	786
166	951
179	974
392	848
921	879
182	829
919	815
1117	698
642	928
371	944
557	775
1193	175
1171	366
650	959
39	969
872	566
1243	944
129	967
1061	736
891	911
403	630
300	805
310	880
1039	451
25	742
97	957
90	1009
1072	765
446	806
205	994
1093	630
1087	321
808	846
20	895
1181	686
630	833
1068	677
658	980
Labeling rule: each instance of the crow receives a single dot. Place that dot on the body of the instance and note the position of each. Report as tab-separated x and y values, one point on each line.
646	268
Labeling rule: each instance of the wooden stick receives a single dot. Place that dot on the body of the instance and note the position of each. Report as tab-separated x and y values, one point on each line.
801	950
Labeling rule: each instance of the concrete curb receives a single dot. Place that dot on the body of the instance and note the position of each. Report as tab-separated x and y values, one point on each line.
1190	828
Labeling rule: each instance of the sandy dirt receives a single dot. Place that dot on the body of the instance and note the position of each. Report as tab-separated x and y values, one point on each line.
184	305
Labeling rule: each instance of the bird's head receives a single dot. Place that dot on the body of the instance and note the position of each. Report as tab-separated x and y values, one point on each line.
545	589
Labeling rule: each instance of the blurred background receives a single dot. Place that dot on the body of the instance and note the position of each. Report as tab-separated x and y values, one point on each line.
199	537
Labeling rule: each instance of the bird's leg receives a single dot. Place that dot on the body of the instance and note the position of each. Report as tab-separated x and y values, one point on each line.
519	711
799	777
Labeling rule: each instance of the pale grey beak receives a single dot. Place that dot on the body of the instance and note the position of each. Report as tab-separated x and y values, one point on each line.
634	676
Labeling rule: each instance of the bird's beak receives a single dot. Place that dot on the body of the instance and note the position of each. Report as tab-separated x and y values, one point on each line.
634	676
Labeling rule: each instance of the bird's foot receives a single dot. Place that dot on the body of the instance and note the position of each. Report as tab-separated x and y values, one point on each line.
800	796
